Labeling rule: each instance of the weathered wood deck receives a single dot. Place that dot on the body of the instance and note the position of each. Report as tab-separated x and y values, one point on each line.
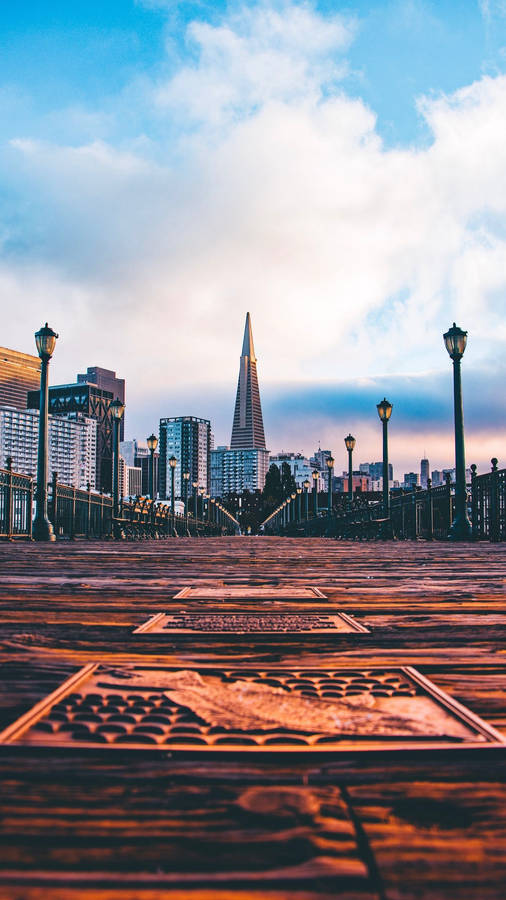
95	824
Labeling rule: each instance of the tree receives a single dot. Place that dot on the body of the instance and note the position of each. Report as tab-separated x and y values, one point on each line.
272	493
288	485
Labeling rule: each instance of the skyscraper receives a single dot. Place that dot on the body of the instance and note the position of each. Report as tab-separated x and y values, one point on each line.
188	439
106	380
244	465
19	373
248	426
424	472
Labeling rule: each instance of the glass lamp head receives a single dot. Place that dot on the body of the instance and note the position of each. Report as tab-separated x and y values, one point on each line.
173	462
330	462
315	474
186	476
45	340
384	410
152	442
293	496
299	490
307	484
455	341
350	442
117	409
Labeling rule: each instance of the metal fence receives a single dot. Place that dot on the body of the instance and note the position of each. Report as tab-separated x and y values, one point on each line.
76	513
414	514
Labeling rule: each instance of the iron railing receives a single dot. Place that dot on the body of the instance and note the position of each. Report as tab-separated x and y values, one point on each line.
414	514
77	513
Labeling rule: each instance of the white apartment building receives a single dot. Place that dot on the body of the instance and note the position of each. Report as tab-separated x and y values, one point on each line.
72	445
235	471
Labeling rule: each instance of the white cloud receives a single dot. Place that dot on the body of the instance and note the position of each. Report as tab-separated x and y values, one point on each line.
278	198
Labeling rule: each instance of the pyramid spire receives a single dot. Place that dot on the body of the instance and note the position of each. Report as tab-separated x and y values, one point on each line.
248	426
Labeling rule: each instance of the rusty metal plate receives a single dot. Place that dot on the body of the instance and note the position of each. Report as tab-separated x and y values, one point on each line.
266	710
247	592
236	622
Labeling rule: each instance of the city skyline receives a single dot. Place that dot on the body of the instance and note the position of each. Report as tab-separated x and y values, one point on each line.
171	183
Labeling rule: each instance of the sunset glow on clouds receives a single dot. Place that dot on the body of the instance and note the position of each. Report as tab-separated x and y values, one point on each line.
241	164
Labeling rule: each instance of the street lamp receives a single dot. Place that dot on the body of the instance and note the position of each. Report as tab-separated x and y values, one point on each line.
45	340
350	442
186	478
152	445
307	485
292	505
299	492
384	412
315	491
117	409
455	341
172	464
330	464
195	486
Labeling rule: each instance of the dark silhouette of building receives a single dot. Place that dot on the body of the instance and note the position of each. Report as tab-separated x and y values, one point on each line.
106	380
19	373
248	426
94	402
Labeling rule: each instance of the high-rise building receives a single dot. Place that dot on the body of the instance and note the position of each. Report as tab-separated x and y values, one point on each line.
234	471
72	445
188	439
299	465
106	380
248	426
375	470
19	373
424	472
136	453
93	402
411	479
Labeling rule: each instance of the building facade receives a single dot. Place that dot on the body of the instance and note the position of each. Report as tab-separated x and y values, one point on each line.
94	403
19	373
72	445
188	439
136	453
106	380
424	472
235	471
300	466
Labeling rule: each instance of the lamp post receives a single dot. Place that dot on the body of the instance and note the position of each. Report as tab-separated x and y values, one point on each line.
186	478
299	492
455	340
117	409
350	442
292	505
201	505
172	464
330	465
195	486
384	412
45	340
315	491
152	445
307	485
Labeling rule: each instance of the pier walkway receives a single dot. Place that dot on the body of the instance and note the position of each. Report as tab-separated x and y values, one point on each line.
192	758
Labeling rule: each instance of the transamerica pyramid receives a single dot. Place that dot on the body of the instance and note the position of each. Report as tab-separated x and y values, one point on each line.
248	426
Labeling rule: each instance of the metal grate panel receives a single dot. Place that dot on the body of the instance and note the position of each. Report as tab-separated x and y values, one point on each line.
238	623
249	592
250	710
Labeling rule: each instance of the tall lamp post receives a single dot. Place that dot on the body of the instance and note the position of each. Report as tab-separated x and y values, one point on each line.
299	492
152	445
117	409
330	465
45	340
384	412
292	505
186	478
172	464
350	442
195	486
315	491
455	340
307	485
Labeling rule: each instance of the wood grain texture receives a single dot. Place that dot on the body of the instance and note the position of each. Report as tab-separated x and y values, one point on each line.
80	824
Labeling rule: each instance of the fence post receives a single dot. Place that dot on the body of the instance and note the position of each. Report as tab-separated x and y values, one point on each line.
474	503
430	511
494	503
414	534
54	501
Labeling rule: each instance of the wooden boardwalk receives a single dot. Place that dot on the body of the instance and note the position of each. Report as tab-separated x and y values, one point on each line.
95	823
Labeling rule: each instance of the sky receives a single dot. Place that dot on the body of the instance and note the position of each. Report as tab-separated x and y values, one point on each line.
336	169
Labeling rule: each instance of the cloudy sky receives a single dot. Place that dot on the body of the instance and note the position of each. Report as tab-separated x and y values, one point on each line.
339	170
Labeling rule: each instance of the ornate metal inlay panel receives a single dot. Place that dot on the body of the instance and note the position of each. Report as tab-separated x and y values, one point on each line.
250	592
249	623
250	710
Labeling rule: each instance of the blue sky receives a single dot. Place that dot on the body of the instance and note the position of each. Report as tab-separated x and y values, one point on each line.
338	169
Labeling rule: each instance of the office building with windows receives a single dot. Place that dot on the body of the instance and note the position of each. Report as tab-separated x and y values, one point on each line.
188	439
19	373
